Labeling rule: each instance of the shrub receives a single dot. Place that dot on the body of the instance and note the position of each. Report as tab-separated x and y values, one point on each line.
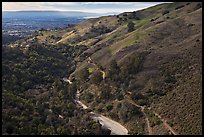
109	107
170	79
83	75
132	65
106	131
165	12
179	7
137	96
143	102
105	94
125	14
88	97
131	26
119	105
96	77
198	6
111	72
120	96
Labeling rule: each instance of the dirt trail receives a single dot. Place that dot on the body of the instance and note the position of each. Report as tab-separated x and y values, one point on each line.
148	123
146	118
165	123
91	62
118	129
156	114
115	127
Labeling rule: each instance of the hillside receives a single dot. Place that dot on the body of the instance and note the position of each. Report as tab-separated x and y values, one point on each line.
142	69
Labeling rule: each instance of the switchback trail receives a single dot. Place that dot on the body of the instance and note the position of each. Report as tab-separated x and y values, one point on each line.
156	114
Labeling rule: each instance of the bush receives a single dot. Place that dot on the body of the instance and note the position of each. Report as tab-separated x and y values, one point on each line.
155	121
96	77
143	102
125	14
131	26
132	65
106	131
137	96
160	92
111	72
100	30
170	123
179	7
83	75
119	105
138	129
105	94
198	6
109	107
165	12
88	97
170	79
120	96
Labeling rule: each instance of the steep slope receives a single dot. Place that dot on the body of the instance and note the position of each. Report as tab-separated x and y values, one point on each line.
170	40
151	73
168	36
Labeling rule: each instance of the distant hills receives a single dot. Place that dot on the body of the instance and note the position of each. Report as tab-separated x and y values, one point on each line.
10	14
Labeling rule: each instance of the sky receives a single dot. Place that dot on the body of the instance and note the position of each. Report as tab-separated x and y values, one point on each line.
93	7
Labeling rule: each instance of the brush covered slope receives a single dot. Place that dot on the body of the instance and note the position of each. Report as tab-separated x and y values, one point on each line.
142	69
157	64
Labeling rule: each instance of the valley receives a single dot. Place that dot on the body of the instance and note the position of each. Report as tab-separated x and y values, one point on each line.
135	73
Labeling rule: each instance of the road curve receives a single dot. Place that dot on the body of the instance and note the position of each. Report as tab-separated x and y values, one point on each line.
78	101
115	127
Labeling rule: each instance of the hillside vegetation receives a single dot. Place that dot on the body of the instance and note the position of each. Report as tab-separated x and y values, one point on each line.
149	58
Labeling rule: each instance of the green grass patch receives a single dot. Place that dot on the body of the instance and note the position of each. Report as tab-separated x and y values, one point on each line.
130	40
140	23
115	35
88	42
90	70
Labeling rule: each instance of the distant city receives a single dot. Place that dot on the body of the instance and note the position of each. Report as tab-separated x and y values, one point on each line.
20	24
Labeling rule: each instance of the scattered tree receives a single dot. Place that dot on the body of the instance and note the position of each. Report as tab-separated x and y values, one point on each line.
82	75
96	77
131	26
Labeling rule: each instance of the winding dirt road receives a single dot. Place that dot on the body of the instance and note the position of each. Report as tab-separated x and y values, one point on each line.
115	127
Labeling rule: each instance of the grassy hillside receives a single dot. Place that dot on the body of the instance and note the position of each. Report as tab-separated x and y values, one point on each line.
150	59
170	36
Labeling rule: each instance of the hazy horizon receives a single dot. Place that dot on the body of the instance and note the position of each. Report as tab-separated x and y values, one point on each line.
90	7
